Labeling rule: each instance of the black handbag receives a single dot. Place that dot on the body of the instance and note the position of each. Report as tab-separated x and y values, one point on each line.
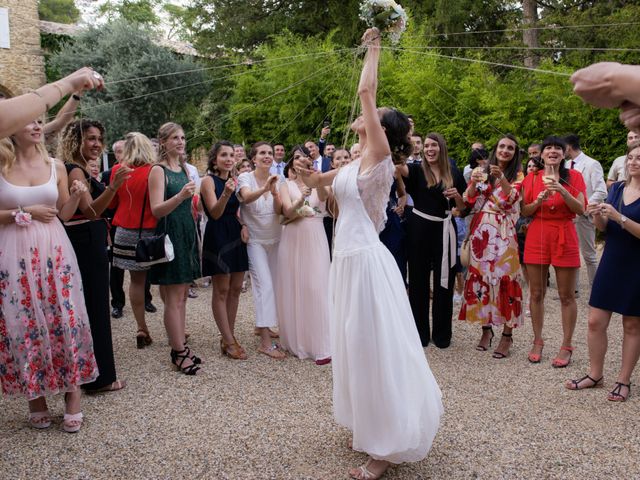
155	249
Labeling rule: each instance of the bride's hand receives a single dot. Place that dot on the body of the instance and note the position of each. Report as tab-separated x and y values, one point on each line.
371	37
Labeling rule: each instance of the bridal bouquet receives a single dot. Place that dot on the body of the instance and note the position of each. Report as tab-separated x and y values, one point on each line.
386	15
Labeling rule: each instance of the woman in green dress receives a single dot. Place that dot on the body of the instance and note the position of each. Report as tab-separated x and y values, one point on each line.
170	196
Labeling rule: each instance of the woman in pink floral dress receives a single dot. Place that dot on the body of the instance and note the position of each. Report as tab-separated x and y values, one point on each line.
45	339
492	291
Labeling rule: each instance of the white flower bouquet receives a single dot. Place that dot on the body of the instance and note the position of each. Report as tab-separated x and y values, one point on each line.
307	210
386	15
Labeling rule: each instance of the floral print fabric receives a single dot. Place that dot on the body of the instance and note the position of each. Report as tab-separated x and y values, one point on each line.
45	338
492	290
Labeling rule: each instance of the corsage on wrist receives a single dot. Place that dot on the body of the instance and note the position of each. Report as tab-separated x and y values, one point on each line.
22	218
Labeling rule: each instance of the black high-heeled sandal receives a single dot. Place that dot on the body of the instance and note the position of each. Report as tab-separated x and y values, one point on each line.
482	348
501	355
178	358
195	359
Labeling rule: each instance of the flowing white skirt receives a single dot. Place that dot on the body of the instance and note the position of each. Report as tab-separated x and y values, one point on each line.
383	388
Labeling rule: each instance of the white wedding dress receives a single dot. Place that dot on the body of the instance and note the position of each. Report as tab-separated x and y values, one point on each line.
383	388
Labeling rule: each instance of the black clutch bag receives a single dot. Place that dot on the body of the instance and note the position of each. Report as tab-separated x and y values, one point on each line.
155	249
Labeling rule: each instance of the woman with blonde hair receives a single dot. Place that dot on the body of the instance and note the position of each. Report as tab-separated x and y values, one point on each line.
431	238
134	220
81	142
619	217
44	328
224	254
170	197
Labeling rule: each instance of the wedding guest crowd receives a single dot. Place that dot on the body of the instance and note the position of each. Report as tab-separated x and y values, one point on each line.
58	217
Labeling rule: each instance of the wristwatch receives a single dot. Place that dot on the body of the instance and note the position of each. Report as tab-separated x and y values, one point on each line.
623	220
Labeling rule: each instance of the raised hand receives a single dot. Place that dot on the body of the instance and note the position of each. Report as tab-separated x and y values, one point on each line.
496	171
630	115
306	191
187	190
594	84
122	174
230	186
371	37
84	79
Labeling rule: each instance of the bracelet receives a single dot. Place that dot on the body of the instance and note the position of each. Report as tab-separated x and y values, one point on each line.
57	87
114	190
77	98
35	92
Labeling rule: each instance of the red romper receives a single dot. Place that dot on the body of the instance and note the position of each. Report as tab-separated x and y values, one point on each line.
551	238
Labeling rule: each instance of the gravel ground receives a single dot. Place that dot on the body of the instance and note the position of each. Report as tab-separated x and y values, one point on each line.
264	419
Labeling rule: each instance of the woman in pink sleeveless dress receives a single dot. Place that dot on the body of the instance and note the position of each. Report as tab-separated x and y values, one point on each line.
45	338
303	269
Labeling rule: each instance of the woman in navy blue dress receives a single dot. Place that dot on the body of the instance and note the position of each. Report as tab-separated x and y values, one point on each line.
224	254
613	288
393	235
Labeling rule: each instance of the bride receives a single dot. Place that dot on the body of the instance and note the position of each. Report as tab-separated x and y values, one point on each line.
383	389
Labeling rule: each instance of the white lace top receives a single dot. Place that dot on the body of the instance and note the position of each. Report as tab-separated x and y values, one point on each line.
374	186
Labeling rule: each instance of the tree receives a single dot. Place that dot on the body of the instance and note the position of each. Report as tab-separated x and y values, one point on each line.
144	86
60	11
133	11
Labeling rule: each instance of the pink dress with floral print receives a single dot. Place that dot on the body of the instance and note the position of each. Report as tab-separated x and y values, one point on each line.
493	287
45	338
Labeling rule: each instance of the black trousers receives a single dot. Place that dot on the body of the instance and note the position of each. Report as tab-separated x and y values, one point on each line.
116	280
424	254
89	241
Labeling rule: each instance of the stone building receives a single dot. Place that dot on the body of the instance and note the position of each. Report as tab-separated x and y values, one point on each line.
21	58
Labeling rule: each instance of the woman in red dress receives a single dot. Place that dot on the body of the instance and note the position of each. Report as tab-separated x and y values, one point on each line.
553	196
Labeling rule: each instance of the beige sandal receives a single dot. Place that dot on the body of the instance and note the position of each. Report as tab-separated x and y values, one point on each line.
40	420
363	472
72	422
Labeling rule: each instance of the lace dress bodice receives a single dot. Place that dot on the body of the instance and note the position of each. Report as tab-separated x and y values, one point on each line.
362	200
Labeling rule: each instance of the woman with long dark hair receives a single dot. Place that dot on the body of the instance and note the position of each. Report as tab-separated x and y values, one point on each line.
435	189
303	267
383	389
258	193
553	197
224	254
493	287
82	141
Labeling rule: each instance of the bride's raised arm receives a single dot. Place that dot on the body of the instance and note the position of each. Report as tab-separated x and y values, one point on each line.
377	145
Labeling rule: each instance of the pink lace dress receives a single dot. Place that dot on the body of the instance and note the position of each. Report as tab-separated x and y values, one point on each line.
383	388
301	283
45	339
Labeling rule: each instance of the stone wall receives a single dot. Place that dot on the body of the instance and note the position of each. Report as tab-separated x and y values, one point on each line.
22	65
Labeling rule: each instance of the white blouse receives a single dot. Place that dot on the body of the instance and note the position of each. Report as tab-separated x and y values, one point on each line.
259	217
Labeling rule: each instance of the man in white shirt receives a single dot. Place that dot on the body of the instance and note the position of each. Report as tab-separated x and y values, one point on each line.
320	163
593	175
277	167
616	172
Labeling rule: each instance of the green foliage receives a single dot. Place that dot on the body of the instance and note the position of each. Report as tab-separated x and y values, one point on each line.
123	51
466	101
133	11
61	11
